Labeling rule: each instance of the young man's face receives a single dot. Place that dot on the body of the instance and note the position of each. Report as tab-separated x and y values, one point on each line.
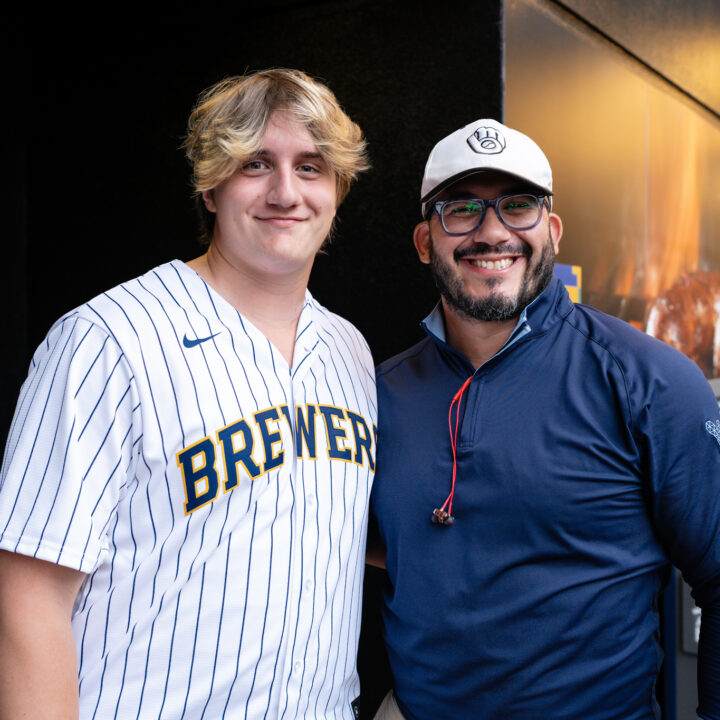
494	272
275	211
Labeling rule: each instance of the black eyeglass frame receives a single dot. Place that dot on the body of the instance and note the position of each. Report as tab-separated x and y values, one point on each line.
543	200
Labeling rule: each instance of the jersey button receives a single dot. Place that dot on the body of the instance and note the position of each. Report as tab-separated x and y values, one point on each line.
308	585
310	499
297	667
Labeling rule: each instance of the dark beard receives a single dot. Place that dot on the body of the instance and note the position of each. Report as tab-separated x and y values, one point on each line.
493	308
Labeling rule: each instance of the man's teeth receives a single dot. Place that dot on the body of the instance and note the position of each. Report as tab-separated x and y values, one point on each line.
493	264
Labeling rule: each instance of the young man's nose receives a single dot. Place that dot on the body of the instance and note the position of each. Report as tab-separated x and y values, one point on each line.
284	188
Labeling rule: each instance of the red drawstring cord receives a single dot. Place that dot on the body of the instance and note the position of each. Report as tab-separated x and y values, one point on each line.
443	515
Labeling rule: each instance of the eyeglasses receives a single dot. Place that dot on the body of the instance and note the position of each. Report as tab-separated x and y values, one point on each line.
517	212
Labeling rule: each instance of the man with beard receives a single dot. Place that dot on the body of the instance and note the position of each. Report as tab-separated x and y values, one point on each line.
540	467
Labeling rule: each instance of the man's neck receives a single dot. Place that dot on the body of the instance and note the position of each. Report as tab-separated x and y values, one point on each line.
273	305
477	340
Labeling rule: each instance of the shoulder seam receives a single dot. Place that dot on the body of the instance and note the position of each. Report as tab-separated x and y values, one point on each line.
615	360
399	360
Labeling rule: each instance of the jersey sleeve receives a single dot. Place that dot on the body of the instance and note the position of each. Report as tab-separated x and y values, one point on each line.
680	427
70	448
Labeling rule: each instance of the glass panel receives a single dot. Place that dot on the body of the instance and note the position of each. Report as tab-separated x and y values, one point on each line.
636	171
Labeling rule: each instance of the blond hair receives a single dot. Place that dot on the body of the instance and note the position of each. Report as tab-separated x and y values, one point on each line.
228	124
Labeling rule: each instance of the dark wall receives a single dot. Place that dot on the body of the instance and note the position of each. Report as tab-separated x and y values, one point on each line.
15	292
107	195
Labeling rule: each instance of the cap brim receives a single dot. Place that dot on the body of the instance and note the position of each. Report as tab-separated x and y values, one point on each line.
476	171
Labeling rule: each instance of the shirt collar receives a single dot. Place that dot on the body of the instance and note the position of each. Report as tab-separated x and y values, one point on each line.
539	311
434	324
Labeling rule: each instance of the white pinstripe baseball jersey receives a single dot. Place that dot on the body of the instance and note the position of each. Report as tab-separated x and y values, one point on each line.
215	497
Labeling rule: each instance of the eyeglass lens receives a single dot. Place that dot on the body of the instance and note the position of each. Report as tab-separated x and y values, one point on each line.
516	211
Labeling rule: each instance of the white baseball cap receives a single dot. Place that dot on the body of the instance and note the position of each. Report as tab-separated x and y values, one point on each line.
484	145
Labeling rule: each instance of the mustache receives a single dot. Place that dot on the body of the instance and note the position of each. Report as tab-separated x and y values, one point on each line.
484	249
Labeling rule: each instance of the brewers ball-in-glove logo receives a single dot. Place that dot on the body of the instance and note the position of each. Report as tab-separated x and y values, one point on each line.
487	140
713	427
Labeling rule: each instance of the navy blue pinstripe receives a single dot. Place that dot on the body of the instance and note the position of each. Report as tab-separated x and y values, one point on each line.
209	327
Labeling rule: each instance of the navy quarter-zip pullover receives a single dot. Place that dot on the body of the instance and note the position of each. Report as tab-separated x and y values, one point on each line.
588	461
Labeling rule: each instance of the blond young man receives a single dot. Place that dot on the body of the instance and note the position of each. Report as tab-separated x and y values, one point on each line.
183	500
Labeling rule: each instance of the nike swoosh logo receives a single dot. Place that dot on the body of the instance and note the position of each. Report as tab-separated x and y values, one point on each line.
188	343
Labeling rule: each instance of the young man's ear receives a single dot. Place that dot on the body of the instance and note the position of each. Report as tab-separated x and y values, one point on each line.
207	196
421	240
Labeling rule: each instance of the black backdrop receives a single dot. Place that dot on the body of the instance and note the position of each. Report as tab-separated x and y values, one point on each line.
99	189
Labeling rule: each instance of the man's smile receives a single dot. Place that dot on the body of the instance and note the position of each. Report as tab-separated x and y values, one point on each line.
495	259
501	264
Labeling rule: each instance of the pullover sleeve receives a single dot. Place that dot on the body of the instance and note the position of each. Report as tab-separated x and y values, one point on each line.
679	429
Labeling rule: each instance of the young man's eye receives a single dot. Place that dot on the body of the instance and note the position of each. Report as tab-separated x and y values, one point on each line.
254	165
309	169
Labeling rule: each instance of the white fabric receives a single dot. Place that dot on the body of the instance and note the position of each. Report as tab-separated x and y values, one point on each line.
244	602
